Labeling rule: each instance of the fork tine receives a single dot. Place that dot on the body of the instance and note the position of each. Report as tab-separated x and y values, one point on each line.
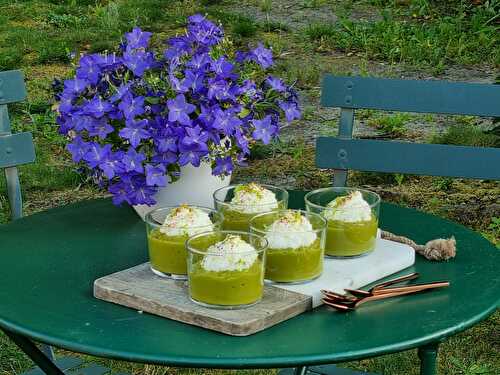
337	306
397	280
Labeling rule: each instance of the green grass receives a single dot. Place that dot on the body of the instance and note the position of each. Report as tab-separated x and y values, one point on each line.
467	35
390	125
38	37
467	135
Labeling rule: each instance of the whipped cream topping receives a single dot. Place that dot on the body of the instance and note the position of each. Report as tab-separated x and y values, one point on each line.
351	208
253	198
231	254
186	221
291	231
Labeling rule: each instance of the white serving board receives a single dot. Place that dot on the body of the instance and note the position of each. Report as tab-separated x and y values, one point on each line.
388	257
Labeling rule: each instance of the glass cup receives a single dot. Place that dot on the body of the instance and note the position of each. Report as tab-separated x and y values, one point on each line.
225	281
237	217
346	238
167	253
292	257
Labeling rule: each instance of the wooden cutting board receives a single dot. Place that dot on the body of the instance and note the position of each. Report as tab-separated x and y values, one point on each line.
141	289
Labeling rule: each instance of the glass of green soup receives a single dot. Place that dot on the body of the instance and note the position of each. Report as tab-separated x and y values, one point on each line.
239	203
167	238
226	269
296	242
352	219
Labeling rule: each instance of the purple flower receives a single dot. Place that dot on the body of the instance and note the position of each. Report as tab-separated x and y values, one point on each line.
249	88
132	161
199	62
188	155
142	194
262	56
241	56
204	32
138	38
96	107
65	104
155	175
242	142
226	121
65	124
206	116
75	86
264	129
222	68
194	81
96	154
166	144
196	18
291	110
112	164
195	139
120	92
179	46
179	110
220	90
138	61
77	148
131	106
135	132
111	61
223	166
120	191
100	128
89	68
178	85
276	84
80	122
165	158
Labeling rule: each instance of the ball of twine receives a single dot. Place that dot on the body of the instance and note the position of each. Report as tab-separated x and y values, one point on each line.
439	249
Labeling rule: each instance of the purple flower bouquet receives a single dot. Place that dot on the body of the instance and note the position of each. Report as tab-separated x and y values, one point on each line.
136	117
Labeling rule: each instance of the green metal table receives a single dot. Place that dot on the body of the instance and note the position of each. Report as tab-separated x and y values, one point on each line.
50	260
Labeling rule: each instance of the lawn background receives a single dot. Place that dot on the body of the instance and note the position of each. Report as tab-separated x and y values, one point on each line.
421	39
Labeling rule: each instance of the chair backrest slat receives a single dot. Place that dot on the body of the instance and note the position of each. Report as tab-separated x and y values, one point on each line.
412	158
411	96
12	88
15	149
4	119
351	93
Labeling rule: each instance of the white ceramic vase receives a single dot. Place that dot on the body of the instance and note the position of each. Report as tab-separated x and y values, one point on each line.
195	187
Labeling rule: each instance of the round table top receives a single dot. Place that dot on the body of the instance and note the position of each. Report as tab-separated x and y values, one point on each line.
51	259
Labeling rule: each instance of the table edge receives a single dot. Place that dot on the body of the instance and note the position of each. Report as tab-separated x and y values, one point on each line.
249	363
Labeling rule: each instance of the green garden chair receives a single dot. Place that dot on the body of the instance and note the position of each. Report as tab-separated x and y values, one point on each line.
343	153
15	149
18	149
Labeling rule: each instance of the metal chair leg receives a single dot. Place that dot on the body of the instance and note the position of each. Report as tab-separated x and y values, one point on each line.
14	192
322	370
34	353
301	370
48	351
428	359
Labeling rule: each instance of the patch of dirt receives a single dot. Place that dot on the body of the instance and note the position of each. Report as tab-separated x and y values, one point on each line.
294	14
36	201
